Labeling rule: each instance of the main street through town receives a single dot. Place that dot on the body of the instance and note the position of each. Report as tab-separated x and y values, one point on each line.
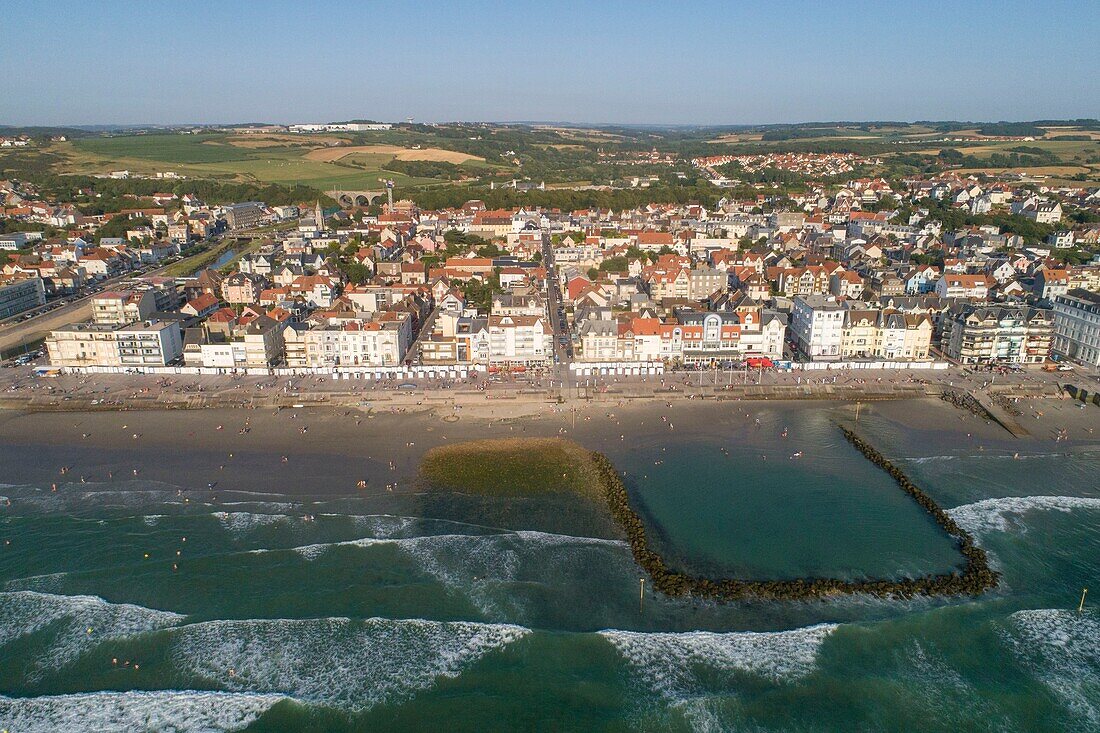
563	347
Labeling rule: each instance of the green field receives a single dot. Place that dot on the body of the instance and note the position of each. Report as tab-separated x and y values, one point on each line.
236	157
448	157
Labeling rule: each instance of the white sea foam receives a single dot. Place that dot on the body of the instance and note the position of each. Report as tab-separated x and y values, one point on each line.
991	515
335	661
43	583
376	525
77	623
1062	649
380	525
272	507
675	664
476	565
700	714
245	522
168	711
535	540
989	456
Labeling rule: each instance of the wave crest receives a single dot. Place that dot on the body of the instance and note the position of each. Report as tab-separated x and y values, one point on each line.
78	623
1062	649
675	664
474	565
991	515
335	661
124	712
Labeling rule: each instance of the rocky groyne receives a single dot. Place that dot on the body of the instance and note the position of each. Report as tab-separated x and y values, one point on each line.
975	578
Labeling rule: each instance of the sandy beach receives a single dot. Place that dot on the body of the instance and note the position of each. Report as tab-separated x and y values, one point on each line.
328	450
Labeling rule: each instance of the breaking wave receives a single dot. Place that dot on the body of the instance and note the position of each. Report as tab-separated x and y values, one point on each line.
930	459
990	456
676	665
1062	649
335	661
476	565
77	623
449	541
124	712
991	515
244	522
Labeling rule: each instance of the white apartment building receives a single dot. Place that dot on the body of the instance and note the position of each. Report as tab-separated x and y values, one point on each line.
817	323
356	343
147	343
1077	326
997	334
519	340
118	308
975	287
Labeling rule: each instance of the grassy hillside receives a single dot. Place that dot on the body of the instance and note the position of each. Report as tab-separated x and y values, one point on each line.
321	161
218	157
452	162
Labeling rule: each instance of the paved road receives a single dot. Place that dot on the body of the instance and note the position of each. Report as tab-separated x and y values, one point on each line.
17	332
425	331
553	303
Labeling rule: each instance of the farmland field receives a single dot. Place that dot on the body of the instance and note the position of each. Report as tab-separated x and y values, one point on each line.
323	161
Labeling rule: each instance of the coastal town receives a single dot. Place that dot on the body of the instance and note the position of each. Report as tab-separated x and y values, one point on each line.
864	275
549	367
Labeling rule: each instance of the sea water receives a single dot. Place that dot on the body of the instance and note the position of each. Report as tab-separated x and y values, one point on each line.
123	608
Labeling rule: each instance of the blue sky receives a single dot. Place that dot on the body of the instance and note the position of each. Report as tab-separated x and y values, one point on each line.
107	62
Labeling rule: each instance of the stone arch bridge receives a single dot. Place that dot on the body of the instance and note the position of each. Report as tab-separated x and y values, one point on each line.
356	198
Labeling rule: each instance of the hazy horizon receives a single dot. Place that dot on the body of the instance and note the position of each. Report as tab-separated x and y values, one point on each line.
563	123
697	64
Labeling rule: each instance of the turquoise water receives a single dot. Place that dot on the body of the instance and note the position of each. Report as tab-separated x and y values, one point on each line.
310	612
804	505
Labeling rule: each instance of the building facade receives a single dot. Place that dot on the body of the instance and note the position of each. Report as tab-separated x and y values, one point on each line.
1077	326
21	295
978	334
244	215
817	325
147	343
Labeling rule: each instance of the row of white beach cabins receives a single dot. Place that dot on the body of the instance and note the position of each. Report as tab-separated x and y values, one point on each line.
453	372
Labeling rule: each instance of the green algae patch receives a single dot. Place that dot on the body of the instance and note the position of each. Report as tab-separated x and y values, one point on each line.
513	467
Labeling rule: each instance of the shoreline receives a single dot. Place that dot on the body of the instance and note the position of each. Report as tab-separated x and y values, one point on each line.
305	458
343	444
383	442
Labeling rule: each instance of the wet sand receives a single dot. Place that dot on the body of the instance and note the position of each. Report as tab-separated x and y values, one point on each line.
326	451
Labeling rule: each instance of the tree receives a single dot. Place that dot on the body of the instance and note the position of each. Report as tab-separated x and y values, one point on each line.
1071	256
615	264
490	250
356	273
593	273
455	237
119	225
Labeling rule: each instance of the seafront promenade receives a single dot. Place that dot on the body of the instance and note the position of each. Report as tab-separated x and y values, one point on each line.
20	390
